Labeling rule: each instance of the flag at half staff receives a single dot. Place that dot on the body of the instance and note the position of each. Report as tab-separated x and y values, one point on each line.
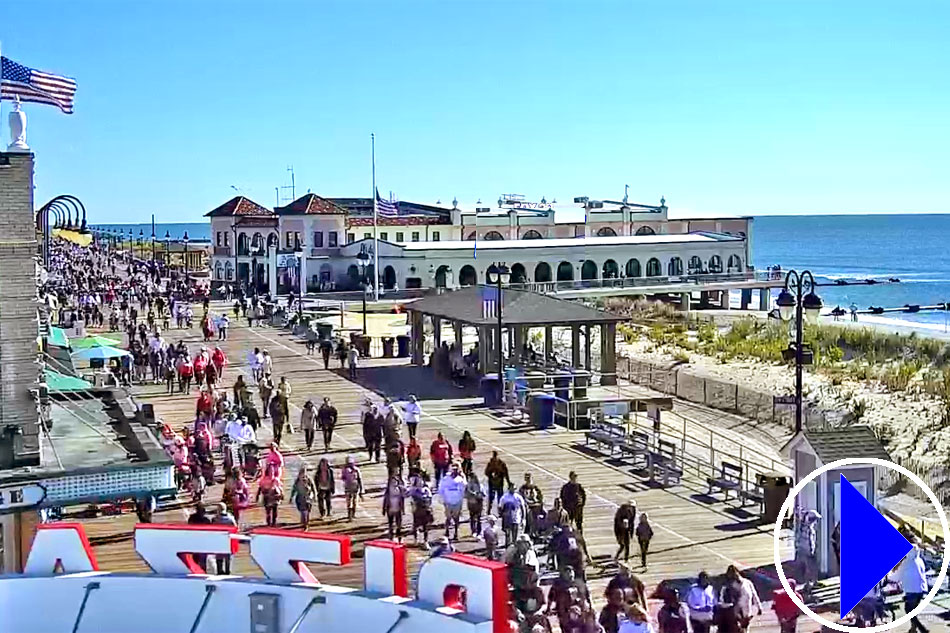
386	208
35	86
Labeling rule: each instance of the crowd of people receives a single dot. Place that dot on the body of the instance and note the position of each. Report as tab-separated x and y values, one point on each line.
541	540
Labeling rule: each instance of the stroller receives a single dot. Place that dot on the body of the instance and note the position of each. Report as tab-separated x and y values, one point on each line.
250	460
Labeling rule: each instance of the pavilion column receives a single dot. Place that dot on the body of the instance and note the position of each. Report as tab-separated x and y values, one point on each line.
575	346
457	326
608	354
724	299
587	347
548	343
272	273
437	332
303	270
520	336
484	345
417	338
765	299
684	301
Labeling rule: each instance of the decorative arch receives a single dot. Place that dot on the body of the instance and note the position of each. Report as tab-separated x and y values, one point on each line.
468	276
734	264
228	271
695	265
389	278
565	271
645	230
715	264
606	231
653	267
472	236
676	267
532	235
588	270
218	271
518	274
441	276
493	236
542	272
611	269
632	269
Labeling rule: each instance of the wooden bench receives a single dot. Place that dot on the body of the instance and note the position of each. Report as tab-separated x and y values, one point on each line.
637	446
607	434
664	459
728	479
754	495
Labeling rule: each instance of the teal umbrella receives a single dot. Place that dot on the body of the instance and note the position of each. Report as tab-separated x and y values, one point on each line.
94	341
57	336
58	382
99	352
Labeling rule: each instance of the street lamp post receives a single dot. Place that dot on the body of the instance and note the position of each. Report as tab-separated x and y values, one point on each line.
141	241
168	260
498	276
362	259
298	249
131	246
184	239
798	300
153	247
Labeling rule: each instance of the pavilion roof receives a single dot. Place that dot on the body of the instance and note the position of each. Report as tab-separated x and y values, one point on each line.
519	307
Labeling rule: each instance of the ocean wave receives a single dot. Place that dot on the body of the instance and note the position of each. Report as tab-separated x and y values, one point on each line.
907	278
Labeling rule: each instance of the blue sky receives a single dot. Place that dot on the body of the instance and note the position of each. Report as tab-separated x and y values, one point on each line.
722	107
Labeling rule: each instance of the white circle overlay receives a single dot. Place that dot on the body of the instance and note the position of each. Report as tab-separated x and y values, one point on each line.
851	461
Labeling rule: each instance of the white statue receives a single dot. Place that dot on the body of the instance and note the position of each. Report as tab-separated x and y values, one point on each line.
17	120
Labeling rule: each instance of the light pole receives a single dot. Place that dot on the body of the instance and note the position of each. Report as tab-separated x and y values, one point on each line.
498	276
131	246
798	300
168	259
141	240
362	259
184	239
153	246
298	249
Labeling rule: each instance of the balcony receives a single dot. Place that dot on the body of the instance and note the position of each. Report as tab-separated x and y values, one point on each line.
223	251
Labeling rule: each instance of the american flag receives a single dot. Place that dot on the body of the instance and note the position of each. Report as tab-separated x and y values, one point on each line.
489	302
386	208
36	86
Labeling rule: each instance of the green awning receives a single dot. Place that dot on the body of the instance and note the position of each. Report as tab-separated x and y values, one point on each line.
58	382
57	336
93	341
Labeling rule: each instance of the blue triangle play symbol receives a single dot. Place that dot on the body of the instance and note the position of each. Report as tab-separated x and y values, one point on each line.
870	546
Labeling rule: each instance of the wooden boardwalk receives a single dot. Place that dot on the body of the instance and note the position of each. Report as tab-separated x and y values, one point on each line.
692	532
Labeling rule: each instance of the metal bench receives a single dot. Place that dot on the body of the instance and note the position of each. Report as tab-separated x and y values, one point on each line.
728	479
607	434
637	446
664	459
753	494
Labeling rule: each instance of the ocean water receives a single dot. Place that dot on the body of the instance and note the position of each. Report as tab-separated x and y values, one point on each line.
196	230
913	248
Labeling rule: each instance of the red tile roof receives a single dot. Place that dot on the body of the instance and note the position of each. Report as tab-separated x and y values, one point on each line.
239	205
311	204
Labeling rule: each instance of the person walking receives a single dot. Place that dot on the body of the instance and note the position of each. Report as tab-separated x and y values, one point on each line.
466	451
200	517
353	360
394	506
302	495
496	476
284	391
266	388
440	451
308	423
326	420
624	528
475	500
644	533
701	601
352	486
413	412
673	617
373	432
326	350
270	491
326	487
913	578
512	508
744	597
223	561
573	498
276	418
452	490
534	499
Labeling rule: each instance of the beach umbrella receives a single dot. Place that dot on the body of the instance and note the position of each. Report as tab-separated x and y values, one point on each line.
100	353
57	382
94	341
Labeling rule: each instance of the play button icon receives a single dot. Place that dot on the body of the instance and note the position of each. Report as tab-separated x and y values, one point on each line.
870	546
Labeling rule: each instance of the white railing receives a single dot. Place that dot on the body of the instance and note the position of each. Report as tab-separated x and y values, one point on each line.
643	282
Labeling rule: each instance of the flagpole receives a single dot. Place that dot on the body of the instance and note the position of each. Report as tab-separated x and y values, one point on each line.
375	228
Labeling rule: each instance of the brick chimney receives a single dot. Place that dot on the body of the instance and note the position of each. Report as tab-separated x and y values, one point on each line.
19	419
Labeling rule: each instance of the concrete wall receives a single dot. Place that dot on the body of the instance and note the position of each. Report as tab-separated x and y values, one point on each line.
18	318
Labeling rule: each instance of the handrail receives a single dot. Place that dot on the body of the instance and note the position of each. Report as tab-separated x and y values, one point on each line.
638	282
209	590
306	611
82	607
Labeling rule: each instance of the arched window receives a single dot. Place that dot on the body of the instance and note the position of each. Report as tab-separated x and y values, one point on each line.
542	272
258	245
565	271
218	271
532	235
695	265
646	230
653	267
243	245
353	274
389	278
611	269
676	267
441	276
518	274
606	231
228	271
468	276
589	270
632	269
715	264
734	264
493	236
471	236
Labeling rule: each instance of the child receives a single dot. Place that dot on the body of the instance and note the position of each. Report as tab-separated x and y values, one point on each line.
490	536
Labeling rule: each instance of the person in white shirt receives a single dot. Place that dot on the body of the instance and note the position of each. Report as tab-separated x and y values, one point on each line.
636	620
452	491
748	602
353	358
233	429
912	574
701	601
268	364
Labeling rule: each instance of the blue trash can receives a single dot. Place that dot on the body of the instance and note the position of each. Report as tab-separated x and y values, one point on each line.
542	410
562	385
490	389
